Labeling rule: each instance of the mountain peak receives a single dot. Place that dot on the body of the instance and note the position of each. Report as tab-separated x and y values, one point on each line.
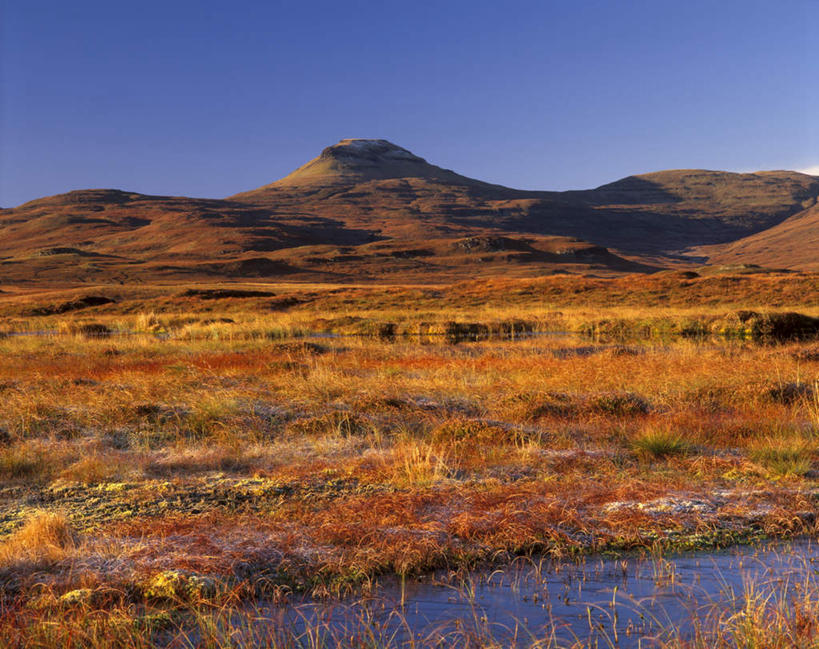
356	149
357	160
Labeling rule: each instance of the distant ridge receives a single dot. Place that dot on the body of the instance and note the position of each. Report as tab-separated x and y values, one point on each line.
370	210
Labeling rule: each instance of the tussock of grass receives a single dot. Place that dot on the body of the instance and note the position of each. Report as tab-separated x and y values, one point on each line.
84	329
768	326
529	407
336	424
210	417
469	433
621	404
45	536
764	620
790	392
25	461
660	443
193	460
419	464
95	469
784	456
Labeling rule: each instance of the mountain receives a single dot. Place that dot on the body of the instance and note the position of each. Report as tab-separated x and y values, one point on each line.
793	243
367	210
354	161
376	186
730	204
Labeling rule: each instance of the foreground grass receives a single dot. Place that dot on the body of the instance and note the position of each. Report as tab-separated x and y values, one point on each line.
232	456
322	465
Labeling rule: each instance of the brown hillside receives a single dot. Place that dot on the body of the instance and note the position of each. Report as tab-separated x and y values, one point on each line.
376	186
367	209
794	243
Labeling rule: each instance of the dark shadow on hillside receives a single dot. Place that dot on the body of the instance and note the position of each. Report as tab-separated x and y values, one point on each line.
631	190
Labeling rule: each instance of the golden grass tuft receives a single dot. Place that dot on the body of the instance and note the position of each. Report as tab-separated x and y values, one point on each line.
83	329
95	469
784	455
419	464
29	461
45	536
660	443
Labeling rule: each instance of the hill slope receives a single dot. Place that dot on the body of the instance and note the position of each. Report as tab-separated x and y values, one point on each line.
794	243
376	186
368	210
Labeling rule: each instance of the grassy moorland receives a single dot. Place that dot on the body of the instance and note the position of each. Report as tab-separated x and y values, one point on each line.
217	450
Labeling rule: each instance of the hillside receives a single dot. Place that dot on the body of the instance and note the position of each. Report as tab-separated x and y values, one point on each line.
376	186
794	243
109	235
365	210
705	206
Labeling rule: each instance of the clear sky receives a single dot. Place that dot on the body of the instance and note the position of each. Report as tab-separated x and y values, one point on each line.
209	98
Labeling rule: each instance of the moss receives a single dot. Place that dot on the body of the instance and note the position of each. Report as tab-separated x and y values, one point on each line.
153	622
114	487
180	585
77	597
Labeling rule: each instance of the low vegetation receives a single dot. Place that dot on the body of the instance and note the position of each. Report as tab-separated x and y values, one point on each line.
44	537
204	443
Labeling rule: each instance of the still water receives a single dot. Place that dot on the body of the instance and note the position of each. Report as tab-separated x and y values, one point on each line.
631	602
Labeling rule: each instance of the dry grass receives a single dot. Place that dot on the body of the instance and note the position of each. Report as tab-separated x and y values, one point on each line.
784	454
660	443
323	463
45	536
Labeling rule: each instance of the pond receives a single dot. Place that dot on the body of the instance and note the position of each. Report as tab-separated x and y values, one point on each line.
629	603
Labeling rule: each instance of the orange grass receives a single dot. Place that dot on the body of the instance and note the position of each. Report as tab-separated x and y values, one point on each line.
324	464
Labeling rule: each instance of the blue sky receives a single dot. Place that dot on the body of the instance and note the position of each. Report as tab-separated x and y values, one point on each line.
206	98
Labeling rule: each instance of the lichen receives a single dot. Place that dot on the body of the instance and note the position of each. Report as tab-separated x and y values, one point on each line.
180	585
